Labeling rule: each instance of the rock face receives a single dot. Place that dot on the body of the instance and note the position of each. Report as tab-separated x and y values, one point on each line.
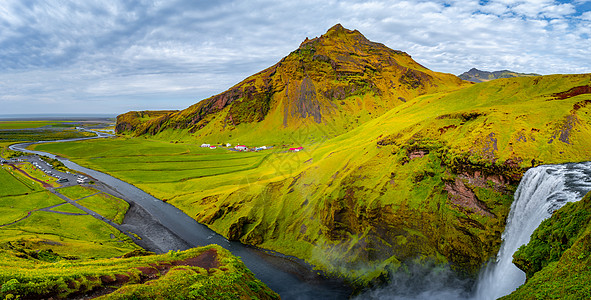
476	75
330	80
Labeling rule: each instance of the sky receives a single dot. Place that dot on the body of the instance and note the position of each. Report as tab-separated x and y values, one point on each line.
110	57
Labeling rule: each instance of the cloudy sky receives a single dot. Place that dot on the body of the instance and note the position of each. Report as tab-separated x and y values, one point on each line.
59	56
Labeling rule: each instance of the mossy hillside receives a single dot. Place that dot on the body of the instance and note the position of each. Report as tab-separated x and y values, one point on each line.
327	86
467	150
199	273
431	178
275	211
131	120
557	259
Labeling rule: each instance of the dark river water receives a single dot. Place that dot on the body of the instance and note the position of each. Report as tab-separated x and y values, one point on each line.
291	278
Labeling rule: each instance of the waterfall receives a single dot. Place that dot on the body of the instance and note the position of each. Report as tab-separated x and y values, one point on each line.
542	191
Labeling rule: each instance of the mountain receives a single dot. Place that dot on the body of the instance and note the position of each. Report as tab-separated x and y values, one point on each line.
329	85
476	75
400	163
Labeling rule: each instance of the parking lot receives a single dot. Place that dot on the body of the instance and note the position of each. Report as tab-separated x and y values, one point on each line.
63	178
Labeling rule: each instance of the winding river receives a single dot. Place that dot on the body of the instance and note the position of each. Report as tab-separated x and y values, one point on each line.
291	278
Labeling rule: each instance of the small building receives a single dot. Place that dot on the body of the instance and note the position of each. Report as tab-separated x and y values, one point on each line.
298	149
205	145
228	145
212	147
240	147
260	148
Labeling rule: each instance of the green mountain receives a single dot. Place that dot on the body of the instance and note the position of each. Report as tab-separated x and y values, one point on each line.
381	181
476	75
327	86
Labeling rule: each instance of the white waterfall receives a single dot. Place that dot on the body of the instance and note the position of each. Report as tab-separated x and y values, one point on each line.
542	191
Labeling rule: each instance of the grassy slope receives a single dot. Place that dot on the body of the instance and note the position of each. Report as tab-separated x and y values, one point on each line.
557	260
364	200
28	273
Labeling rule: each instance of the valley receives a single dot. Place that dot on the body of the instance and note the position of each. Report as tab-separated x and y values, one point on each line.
398	166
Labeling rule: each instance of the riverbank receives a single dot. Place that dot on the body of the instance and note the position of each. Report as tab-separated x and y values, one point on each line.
175	230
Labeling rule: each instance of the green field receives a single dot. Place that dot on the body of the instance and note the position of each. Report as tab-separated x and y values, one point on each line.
105	205
34	124
20	197
14	183
14	208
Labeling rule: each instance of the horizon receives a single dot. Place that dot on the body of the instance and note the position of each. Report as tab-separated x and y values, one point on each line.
134	57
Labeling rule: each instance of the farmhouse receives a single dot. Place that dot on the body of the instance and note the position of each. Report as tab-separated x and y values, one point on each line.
212	147
298	149
240	147
205	145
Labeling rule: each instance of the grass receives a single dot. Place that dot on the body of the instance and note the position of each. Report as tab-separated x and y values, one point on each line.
16	207
23	273
84	229
13	183
357	204
80	236
107	206
77	191
33	124
68	208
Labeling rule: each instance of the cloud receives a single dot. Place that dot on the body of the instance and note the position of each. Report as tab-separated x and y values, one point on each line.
57	55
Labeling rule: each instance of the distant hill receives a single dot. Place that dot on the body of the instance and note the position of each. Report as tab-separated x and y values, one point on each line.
327	86
476	75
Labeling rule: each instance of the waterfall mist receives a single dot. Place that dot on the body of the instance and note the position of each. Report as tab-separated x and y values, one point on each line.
422	282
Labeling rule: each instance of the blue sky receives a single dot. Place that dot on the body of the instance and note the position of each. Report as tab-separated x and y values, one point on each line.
93	56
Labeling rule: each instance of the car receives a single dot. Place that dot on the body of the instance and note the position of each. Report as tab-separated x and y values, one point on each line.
61	180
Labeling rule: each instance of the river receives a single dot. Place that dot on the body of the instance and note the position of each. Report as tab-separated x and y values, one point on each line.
289	277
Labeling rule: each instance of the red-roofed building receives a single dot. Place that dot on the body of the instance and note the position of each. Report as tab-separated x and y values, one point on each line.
298	149
240	147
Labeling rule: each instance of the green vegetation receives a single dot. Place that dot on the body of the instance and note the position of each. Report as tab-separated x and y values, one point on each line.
399	163
557	260
83	236
105	205
34	124
13	183
432	178
26	135
45	253
200	273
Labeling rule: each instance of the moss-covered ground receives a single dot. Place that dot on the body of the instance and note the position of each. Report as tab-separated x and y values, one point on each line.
201	273
431	179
